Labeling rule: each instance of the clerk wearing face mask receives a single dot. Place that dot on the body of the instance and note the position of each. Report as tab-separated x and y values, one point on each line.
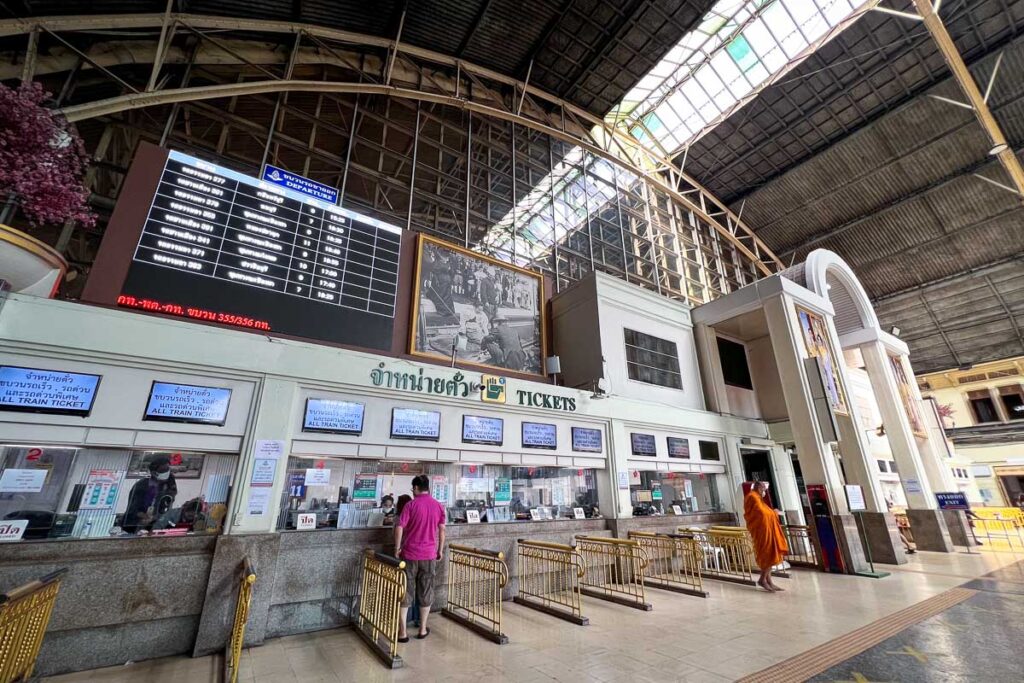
151	497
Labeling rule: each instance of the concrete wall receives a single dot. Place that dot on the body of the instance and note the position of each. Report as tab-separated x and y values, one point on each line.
122	599
767	384
574	319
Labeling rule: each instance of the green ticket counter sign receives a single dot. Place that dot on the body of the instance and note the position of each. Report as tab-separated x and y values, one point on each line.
365	487
502	491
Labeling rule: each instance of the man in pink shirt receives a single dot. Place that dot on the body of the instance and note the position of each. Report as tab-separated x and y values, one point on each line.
419	540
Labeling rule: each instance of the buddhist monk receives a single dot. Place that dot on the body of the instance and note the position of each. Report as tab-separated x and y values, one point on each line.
769	542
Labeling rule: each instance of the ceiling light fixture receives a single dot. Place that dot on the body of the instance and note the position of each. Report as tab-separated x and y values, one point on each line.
998	149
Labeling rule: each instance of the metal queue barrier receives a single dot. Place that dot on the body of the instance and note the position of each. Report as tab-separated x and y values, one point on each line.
382	591
549	577
24	615
475	580
728	554
803	546
777	571
614	570
675	562
233	650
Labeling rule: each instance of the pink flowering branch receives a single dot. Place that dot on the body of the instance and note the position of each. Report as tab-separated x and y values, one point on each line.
42	158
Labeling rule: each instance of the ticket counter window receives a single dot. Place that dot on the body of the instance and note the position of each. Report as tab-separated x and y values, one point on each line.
57	492
336	493
498	493
657	492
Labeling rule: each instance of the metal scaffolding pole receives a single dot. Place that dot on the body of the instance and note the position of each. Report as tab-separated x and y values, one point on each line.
1000	148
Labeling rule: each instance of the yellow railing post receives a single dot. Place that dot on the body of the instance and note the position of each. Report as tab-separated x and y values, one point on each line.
24	615
475	580
548	577
233	656
675	562
380	601
614	570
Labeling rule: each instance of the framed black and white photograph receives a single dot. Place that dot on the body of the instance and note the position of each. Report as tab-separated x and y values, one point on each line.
488	313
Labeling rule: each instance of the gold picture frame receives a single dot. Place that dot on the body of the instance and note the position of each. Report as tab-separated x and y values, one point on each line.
467	306
813	325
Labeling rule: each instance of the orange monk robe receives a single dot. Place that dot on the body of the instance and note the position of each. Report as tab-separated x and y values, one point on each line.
763	524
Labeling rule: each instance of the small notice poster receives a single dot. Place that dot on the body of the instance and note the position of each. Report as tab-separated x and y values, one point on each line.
22	481
624	480
676	510
305	521
473	516
439	488
263	471
578	513
101	490
855	497
318	477
535	514
911	485
259	502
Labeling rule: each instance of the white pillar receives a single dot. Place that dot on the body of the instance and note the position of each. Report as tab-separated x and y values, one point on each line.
932	446
817	462
902	441
274	420
788	493
715	395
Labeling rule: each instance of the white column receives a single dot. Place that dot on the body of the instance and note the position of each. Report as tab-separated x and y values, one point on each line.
618	452
817	462
788	493
932	447
274	418
734	478
712	379
902	441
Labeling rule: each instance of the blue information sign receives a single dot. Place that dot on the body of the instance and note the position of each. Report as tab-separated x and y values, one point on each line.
585	440
335	417
187	403
540	435
952	501
279	176
33	390
483	430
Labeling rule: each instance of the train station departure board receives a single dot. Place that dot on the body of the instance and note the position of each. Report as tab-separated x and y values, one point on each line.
223	247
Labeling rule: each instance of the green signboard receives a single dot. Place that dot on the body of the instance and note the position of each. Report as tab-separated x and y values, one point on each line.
365	487
502	491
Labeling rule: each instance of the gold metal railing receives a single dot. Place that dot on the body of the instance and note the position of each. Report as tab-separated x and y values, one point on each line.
803	546
999	531
548	577
475	580
382	591
614	570
24	615
675	562
728	553
233	655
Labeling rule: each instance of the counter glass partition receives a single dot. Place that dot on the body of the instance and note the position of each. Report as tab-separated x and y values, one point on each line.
59	492
335	493
657	492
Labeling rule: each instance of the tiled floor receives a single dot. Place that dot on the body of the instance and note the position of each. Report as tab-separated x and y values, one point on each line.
735	632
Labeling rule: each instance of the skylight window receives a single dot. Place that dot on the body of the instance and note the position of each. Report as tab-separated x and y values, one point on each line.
739	47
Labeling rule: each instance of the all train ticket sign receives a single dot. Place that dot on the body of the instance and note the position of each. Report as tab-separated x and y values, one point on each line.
219	246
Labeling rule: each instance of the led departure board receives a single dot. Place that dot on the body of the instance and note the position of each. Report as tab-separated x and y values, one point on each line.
223	247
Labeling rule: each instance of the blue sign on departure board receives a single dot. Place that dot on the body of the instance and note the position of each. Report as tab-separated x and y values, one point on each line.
31	390
279	176
334	417
169	402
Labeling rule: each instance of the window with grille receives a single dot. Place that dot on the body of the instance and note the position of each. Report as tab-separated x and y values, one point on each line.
652	360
